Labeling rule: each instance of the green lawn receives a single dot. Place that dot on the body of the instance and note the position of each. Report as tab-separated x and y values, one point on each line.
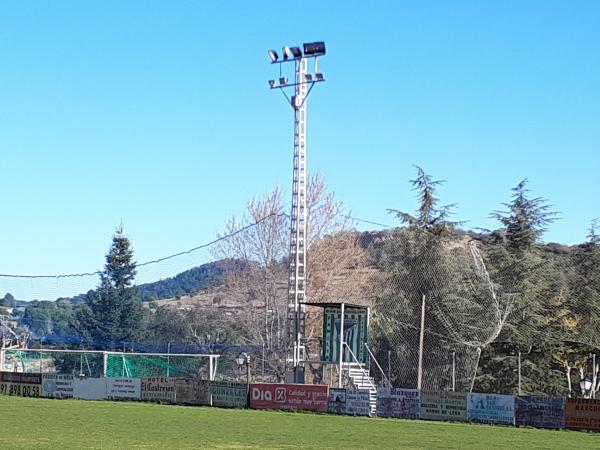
43	423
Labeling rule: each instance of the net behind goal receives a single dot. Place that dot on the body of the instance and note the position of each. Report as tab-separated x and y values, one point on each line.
92	363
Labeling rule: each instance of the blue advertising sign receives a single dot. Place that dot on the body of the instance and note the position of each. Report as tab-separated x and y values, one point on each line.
398	402
540	412
491	408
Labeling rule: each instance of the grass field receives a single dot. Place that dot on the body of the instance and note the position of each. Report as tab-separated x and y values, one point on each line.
42	423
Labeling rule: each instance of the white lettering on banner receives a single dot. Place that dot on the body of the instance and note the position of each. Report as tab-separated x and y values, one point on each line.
123	388
258	394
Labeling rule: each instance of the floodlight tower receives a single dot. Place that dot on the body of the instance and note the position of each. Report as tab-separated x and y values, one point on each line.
304	80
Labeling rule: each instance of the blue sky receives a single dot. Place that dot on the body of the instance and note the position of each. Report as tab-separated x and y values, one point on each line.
159	114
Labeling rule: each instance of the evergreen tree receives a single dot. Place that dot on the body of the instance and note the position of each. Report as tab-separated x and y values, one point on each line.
522	273
414	263
113	313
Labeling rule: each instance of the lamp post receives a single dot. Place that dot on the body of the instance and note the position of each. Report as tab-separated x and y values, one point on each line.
586	387
241	360
303	82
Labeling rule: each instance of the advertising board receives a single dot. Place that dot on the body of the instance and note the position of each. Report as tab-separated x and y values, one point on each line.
444	406
398	402
582	414
57	386
21	384
310	397
158	389
191	391
89	388
229	394
491	408
123	388
540	412
356	402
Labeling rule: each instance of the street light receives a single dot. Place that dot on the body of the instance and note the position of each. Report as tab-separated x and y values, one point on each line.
586	387
241	360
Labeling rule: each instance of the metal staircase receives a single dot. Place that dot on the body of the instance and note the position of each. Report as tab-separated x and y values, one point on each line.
359	378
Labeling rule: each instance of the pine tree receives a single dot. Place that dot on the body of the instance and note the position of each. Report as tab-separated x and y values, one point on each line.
114	314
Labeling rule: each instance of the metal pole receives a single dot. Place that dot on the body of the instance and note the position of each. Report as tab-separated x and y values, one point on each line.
594	375
104	363
520	373
389	367
168	359
341	347
248	370
263	361
453	371
210	368
421	339
2	358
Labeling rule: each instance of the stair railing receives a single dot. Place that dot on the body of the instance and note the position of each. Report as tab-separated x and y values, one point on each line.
366	375
385	378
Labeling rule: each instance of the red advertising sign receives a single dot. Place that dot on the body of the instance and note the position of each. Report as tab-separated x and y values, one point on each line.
310	397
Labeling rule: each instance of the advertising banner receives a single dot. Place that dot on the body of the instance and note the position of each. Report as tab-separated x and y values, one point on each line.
398	402
21	384
356	402
444	406
540	412
492	408
582	414
89	388
57	386
337	401
229	394
158	389
123	388
191	391
310	397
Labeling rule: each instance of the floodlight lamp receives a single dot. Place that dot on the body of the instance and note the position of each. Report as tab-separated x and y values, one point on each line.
283	80
314	48
296	52
273	55
271	84
319	77
308	77
287	53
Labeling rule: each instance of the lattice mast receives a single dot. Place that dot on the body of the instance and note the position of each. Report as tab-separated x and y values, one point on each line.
304	81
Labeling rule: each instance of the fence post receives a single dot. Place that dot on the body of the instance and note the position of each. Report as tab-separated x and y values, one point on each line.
454	371
594	375
520	393
421	338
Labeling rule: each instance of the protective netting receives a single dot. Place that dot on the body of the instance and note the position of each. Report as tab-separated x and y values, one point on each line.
488	311
109	364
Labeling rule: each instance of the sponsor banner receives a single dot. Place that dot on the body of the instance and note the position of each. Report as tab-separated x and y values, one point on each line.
123	388
229	394
355	402
582	414
492	408
158	389
191	391
311	397
358	402
540	412
20	389
21	378
89	388
398	402
57	386
444	406
337	401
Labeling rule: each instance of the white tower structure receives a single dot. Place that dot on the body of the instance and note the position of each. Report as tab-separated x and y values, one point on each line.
304	81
